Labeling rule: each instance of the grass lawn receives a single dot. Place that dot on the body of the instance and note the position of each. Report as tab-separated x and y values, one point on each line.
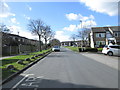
72	48
13	60
100	49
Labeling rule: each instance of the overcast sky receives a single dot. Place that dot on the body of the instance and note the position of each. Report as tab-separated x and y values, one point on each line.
63	17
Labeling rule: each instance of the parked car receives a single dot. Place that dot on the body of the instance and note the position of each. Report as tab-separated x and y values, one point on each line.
56	48
111	50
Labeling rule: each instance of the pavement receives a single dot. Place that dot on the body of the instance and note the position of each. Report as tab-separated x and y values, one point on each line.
11	56
111	61
5	57
66	69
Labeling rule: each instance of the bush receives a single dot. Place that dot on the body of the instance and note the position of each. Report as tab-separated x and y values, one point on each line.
100	49
88	49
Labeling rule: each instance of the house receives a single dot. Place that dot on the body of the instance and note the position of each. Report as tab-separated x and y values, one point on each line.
14	44
15	40
101	36
74	43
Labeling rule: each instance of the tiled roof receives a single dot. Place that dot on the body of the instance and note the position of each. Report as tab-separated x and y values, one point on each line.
104	29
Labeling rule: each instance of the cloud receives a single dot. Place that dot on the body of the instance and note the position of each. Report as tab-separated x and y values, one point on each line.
5	10
70	28
107	7
73	16
13	20
61	36
87	22
29	8
15	29
84	24
26	17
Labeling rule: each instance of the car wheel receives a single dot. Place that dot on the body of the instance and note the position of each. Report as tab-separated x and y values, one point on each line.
110	53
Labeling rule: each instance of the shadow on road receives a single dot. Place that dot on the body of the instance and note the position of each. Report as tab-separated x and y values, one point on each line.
38	83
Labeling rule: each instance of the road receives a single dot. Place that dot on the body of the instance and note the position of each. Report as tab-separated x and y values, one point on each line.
111	61
66	69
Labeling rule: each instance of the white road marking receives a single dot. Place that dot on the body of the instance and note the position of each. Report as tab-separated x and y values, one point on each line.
21	80
30	84
31	79
40	77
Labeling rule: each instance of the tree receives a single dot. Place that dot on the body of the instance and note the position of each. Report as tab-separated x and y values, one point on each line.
84	35
73	37
36	27
54	42
3	28
47	34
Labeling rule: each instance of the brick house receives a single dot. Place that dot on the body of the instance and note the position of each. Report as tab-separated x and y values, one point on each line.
100	36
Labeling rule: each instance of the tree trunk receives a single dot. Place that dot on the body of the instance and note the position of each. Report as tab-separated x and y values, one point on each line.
45	44
40	43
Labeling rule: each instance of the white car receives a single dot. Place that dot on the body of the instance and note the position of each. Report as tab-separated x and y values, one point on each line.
111	50
56	48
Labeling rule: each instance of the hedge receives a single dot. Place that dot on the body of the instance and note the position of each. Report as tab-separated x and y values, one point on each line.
88	49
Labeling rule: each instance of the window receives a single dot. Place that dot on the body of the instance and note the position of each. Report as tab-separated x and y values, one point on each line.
13	38
114	47
100	42
100	35
116	34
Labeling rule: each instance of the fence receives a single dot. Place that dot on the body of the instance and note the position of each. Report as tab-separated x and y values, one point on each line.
13	50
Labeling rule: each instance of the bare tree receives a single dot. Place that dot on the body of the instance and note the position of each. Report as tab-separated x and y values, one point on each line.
47	34
36	27
3	28
84	35
54	42
73	37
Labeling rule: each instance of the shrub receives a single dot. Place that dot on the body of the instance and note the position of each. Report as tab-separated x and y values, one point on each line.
100	49
88	49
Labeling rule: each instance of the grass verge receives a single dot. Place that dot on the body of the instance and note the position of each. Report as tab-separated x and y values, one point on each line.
72	48
100	49
13	61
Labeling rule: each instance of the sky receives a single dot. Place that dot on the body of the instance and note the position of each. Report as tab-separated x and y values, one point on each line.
63	17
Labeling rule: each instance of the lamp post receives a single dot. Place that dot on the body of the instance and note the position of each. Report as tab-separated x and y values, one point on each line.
81	33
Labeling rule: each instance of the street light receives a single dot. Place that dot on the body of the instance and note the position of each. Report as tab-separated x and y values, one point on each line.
81	32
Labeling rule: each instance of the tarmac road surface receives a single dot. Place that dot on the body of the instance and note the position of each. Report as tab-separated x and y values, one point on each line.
66	69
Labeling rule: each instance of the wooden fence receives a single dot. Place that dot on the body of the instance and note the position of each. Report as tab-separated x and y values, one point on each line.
14	50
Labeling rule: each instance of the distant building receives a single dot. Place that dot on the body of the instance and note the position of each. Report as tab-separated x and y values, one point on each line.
74	43
100	36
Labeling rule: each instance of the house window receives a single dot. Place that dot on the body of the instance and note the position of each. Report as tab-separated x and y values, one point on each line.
100	42
116	34
100	35
13	38
23	40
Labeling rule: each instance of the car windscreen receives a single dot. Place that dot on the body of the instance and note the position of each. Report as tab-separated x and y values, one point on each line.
117	47
105	46
56	47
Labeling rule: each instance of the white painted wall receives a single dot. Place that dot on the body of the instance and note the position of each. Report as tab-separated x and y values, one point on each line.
91	40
